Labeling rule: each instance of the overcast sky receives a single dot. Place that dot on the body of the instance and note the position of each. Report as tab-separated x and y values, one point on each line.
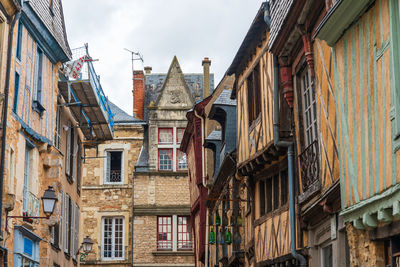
158	29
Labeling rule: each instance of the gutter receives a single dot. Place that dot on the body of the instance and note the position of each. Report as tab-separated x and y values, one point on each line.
5	111
290	154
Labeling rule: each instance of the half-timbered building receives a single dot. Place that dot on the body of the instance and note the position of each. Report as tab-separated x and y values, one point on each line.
361	66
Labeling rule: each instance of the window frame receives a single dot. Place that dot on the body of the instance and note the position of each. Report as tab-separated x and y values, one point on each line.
17	83
18	49
106	159
253	83
175	240
174	146
272	192
169	130
57	132
168	232
113	219
172	158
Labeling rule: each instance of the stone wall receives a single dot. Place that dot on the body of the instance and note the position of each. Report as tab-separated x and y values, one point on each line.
363	251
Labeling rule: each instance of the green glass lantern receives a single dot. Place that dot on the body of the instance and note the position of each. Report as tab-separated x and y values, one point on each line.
239	220
211	236
217	220
228	237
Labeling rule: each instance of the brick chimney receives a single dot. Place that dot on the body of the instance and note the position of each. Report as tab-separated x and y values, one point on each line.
206	77
147	69
138	93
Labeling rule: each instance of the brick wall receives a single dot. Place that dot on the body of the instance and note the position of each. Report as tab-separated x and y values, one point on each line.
138	94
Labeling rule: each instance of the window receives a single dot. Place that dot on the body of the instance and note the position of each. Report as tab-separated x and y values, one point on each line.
114	172
26	247
16	92
11	169
273	192
309	108
39	75
57	135
70	159
169	156
254	94
184	239
165	159
31	202
182	161
19	40
70	217
164	237
113	238
174	233
55	235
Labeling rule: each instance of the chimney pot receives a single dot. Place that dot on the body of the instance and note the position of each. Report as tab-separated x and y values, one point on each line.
148	69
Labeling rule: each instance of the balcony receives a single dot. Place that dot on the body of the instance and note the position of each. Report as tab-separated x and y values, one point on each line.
309	166
31	203
115	176
84	95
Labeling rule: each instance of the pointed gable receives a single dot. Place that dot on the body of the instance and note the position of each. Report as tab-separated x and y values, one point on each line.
175	92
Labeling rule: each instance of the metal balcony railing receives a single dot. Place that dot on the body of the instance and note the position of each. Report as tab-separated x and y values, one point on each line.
115	176
309	165
31	203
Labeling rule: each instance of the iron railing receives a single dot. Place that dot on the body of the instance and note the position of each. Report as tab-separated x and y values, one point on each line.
31	203
309	165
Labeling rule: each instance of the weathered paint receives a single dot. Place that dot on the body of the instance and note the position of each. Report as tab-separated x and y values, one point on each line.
363	100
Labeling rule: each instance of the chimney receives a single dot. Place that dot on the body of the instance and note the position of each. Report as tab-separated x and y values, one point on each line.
138	94
206	77
147	69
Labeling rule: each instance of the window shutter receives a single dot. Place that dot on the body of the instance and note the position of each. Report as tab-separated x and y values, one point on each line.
67	154
66	223
73	230
76	237
122	166
74	157
61	226
108	167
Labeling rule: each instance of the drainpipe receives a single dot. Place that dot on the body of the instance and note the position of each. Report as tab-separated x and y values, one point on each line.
204	181
290	154
5	111
133	215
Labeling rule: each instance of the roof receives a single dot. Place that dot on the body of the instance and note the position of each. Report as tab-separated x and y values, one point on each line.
253	36
53	19
154	84
215	135
121	116
279	12
225	99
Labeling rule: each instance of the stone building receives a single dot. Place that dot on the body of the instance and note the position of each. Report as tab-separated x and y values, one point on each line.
162	232
107	192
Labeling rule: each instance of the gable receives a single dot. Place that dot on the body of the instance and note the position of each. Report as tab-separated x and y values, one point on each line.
175	92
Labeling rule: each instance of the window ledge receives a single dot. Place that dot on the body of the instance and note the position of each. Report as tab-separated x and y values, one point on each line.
173	253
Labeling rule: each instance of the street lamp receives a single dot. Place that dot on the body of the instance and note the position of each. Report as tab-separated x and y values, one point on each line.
87	245
49	200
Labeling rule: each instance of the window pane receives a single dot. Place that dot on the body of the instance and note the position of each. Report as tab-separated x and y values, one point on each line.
181	160
164	237
184	235
113	242
179	134
165	135
276	191
165	159
115	175
262	197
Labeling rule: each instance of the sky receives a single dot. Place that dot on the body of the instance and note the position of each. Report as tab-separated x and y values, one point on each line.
158	29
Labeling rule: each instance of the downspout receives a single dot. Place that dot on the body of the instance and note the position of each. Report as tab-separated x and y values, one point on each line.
5	111
290	154
204	181
133	214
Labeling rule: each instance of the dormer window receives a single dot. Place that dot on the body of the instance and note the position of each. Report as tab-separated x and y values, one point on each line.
169	156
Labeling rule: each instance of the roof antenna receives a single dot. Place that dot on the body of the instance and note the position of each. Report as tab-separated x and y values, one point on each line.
135	56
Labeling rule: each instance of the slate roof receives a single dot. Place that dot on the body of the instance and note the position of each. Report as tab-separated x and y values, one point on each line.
215	135
225	99
121	116
279	11
154	83
53	19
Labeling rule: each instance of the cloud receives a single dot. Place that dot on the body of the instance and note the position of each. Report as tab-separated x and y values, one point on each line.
159	29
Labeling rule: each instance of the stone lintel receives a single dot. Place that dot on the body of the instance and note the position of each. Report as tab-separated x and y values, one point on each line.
161	210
